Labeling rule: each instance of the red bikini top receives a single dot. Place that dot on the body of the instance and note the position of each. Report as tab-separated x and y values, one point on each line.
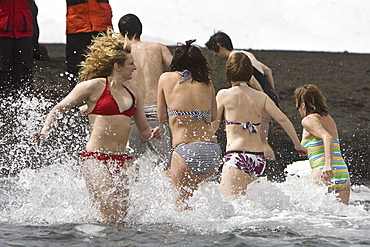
107	105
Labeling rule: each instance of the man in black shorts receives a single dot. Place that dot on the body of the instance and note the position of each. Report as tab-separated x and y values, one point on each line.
220	44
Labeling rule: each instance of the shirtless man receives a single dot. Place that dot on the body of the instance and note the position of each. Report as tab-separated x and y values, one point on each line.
262	80
149	58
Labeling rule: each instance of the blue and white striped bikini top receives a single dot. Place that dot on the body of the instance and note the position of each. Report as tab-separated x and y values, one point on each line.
194	113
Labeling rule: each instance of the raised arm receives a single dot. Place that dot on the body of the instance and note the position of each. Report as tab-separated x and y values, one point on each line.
78	94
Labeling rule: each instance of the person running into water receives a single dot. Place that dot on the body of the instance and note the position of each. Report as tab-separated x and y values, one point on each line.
111	102
241	109
186	100
150	57
320	137
262	79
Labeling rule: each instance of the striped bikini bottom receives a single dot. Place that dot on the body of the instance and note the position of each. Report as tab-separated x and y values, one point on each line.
201	157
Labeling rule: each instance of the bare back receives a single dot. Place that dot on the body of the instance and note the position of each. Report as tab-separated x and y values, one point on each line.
149	58
186	96
242	104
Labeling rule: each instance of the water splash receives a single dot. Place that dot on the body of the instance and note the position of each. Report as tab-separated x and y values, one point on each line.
55	192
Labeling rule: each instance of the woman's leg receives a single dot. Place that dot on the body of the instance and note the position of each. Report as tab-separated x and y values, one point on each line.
344	193
184	180
109	192
234	182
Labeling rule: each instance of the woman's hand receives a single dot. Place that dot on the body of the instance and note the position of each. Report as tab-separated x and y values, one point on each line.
156	133
327	175
84	110
301	150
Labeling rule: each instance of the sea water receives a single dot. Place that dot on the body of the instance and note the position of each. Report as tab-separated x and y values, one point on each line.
44	201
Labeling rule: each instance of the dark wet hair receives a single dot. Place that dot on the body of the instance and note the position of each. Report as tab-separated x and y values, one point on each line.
131	26
314	100
190	57
219	38
238	67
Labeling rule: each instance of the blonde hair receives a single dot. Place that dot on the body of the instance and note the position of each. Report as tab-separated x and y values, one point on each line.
238	67
105	50
314	100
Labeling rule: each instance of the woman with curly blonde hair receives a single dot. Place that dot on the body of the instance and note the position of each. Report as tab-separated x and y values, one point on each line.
111	103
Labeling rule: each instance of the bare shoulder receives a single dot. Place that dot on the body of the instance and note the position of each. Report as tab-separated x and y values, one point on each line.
159	45
168	79
148	45
92	84
310	121
224	94
94	81
223	91
169	75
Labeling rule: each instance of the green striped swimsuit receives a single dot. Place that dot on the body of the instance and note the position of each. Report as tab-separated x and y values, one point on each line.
316	156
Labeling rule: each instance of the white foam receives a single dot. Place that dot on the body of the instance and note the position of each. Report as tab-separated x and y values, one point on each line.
56	193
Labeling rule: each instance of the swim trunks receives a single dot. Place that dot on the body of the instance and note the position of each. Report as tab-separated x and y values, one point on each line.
266	86
107	105
316	157
160	148
201	157
252	163
113	162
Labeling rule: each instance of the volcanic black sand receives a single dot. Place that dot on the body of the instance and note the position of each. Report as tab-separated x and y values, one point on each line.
344	78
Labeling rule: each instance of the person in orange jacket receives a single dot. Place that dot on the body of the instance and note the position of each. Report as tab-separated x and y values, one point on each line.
16	56
84	20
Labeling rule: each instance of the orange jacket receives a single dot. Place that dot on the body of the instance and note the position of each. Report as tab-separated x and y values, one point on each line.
84	16
15	19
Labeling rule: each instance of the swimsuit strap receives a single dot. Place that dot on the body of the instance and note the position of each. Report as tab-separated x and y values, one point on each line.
241	84
248	125
186	74
193	114
315	117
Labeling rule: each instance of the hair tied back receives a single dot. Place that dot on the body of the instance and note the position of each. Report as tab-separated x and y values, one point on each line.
189	42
